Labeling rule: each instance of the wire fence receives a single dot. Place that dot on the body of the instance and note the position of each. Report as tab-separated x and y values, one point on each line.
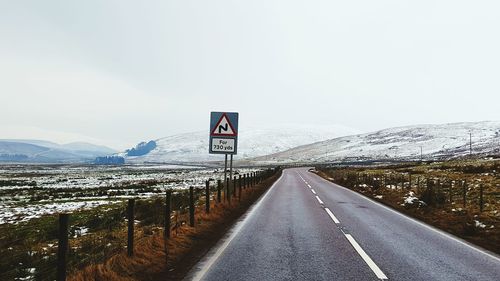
32	250
475	194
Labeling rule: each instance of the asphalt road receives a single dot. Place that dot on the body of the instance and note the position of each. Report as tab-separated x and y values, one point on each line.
306	228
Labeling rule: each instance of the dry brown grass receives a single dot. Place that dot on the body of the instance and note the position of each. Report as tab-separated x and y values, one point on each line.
185	248
443	216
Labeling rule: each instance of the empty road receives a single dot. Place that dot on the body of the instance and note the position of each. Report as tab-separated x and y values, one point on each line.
306	228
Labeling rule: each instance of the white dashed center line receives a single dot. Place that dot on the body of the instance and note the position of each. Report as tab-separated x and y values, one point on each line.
365	257
351	240
332	216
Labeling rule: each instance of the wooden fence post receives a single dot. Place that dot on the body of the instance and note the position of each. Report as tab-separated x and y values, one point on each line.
439	186
418	185
62	247
464	192
207	196
191	206
240	186
130	216
481	202
167	226
219	183
228	190
451	192
168	211
235	193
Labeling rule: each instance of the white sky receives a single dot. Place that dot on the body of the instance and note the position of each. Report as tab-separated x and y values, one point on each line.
118	72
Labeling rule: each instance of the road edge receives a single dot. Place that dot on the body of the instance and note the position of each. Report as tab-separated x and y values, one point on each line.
203	266
417	221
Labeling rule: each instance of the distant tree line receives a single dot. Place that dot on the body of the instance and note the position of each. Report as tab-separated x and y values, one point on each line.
109	160
142	148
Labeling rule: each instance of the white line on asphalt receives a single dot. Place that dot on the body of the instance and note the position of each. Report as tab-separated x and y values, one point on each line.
201	273
332	216
365	257
309	186
447	235
312	190
319	200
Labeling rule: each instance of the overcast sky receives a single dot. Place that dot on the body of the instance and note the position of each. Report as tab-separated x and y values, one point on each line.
118	72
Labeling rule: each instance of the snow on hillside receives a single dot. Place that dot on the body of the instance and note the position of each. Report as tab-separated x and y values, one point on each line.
193	147
436	141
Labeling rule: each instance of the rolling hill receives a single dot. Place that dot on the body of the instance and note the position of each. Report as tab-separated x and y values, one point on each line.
193	147
402	143
39	151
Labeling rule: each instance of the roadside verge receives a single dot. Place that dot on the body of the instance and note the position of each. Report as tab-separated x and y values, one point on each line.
185	248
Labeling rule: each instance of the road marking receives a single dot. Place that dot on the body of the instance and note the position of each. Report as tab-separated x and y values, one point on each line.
365	257
206	266
373	266
309	186
332	216
447	235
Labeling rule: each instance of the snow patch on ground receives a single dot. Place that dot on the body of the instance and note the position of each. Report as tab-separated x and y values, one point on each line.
479	224
23	214
410	200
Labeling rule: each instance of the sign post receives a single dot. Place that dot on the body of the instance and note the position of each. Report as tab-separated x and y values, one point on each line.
224	139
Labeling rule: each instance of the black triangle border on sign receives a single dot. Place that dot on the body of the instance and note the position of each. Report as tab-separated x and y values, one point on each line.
235	134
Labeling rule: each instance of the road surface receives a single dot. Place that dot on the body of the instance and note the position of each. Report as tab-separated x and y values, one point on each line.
306	228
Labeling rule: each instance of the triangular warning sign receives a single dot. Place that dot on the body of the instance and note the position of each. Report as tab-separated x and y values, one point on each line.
224	128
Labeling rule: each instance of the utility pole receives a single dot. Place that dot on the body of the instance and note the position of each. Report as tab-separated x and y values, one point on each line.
470	143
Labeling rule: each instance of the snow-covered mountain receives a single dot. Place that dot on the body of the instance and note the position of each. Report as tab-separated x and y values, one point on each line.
50	152
434	141
193	147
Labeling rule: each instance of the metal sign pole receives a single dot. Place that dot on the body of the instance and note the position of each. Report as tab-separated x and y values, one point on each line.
223	139
225	167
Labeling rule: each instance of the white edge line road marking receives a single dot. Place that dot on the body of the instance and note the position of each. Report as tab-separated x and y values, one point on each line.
201	273
319	200
447	235
332	216
312	190
365	257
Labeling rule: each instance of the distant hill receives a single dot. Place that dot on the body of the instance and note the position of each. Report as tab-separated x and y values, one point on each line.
39	151
402	143
193	147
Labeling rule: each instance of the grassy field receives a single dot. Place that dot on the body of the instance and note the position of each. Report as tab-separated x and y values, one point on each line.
29	243
460	197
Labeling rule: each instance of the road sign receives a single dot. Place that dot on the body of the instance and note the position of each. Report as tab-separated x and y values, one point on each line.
223	133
